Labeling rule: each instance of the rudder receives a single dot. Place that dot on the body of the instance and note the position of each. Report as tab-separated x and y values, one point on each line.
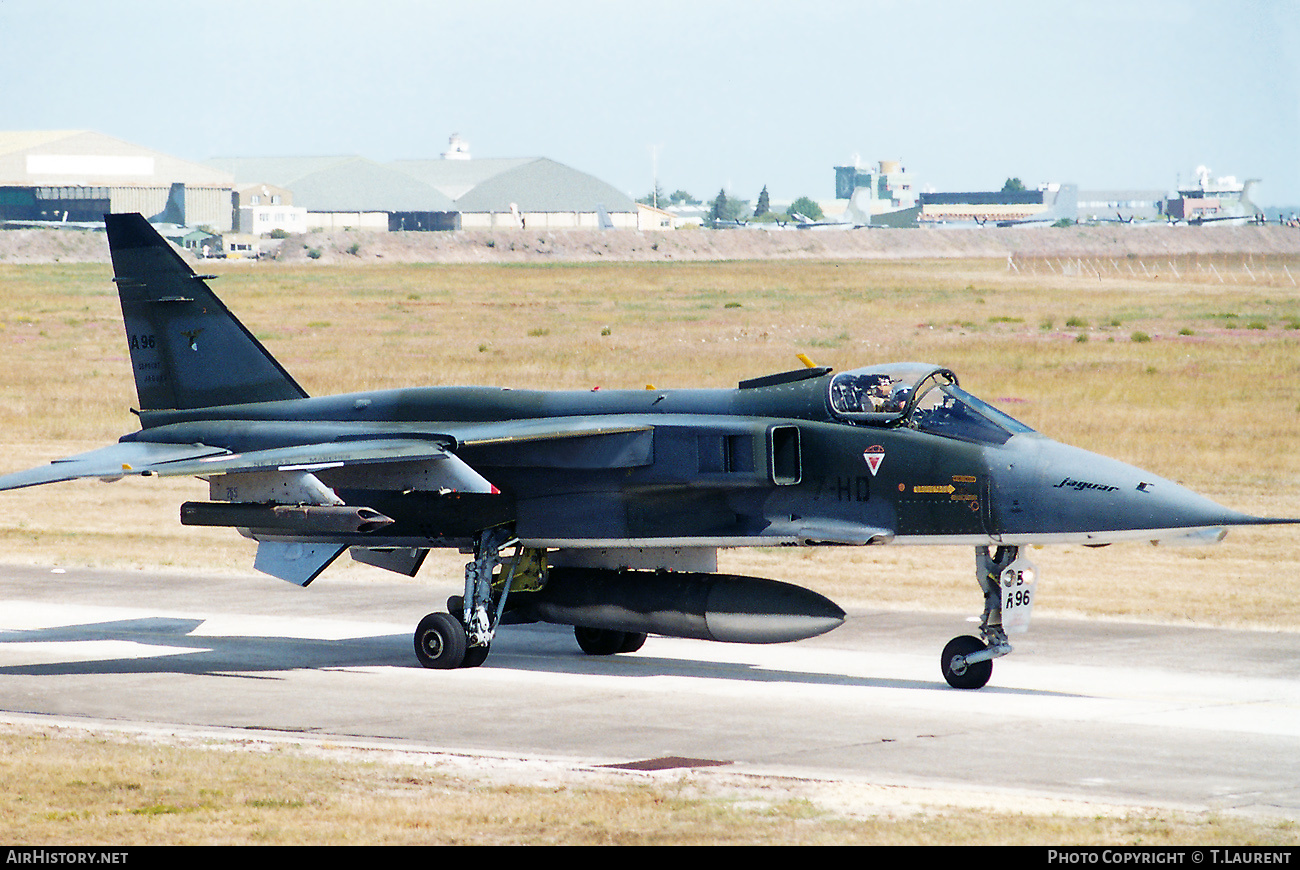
187	349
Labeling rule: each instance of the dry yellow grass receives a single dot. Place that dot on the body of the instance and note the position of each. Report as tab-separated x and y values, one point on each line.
1212	399
111	790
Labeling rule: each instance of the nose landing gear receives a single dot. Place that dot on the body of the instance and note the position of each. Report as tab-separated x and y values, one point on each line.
959	669
1008	582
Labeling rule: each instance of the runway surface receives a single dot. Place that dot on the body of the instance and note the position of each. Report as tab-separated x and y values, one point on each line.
1116	713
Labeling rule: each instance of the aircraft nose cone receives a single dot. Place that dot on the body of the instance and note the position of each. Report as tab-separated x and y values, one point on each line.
1050	488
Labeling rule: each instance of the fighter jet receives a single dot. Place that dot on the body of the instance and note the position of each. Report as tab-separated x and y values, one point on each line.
1065	206
604	510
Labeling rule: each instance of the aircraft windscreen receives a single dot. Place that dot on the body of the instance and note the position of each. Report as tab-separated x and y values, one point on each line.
922	397
948	410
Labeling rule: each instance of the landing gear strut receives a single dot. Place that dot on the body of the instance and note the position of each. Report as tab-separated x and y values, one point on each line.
1008	583
462	637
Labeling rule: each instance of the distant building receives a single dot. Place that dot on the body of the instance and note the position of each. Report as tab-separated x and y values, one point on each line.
447	193
260	209
1217	200
1107	205
883	195
887	187
981	206
1047	204
534	192
347	192
240	246
79	175
202	242
457	148
886	195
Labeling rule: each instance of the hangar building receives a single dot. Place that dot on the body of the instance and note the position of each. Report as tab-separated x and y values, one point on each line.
523	191
335	193
454	192
78	175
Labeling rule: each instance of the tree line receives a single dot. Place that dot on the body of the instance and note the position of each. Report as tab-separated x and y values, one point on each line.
724	210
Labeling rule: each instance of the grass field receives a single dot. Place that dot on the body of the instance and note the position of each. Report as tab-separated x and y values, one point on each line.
1195	379
66	787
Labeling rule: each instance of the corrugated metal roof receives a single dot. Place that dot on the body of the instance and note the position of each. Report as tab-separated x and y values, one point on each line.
87	158
25	140
353	183
338	183
458	177
362	185
541	185
275	170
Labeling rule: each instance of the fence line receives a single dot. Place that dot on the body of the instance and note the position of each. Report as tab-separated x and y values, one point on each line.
1244	271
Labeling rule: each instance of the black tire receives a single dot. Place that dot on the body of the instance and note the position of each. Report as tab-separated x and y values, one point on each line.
475	656
440	641
965	676
599	641
632	641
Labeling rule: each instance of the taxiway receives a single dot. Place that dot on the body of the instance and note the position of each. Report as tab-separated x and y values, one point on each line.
1118	713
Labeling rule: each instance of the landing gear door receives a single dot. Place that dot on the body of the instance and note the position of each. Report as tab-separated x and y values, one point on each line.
1017	583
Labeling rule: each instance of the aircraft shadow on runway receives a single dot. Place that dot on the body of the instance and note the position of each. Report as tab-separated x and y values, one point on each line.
526	649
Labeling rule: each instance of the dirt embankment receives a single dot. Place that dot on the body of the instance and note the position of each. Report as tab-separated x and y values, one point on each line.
525	246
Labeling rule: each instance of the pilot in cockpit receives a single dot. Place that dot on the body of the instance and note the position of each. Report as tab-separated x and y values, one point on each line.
878	395
868	393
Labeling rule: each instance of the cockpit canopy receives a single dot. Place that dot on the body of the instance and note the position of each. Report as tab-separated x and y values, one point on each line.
918	396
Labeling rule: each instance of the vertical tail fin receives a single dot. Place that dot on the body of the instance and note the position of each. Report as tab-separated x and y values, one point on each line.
187	349
1066	204
1248	204
174	211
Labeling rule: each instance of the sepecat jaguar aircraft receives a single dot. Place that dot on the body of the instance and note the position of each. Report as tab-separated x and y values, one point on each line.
604	510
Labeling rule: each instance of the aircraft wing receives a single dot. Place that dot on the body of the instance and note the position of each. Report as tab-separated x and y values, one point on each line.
308	457
550	443
572	443
453	472
200	460
110	463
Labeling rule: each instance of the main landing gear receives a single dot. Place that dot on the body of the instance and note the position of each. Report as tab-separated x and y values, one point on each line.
1008	582
441	641
462	637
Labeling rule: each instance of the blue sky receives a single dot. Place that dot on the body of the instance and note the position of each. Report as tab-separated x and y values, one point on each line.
733	95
